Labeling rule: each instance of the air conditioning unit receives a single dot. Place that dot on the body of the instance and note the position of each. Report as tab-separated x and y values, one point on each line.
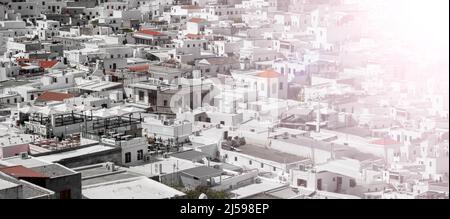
24	155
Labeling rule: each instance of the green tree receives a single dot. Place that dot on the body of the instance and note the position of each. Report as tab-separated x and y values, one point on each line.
194	194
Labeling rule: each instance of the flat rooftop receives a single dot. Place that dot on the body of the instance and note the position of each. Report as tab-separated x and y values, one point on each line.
28	190
167	167
99	173
305	141
290	193
202	172
75	153
269	154
166	70
134	188
256	188
29	162
54	170
97	85
190	155
8	137
358	131
6	185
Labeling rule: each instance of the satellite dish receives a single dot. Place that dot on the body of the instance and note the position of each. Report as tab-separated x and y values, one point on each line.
203	196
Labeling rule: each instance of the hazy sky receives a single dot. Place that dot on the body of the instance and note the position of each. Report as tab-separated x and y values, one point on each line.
418	29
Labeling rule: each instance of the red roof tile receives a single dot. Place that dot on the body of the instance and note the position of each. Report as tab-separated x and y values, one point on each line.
22	60
190	7
22	172
140	68
197	20
269	74
194	36
150	32
385	142
47	64
54	96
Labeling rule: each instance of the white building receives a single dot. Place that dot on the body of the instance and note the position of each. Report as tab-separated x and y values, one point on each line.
267	84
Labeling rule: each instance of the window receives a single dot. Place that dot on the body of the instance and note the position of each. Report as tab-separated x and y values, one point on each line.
250	162
262	165
235	158
281	86
274	169
67	80
352	183
302	182
141	95
165	102
140	154
32	97
127	157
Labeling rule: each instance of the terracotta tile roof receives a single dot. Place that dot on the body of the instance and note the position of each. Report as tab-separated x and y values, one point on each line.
269	74
54	96
22	172
22	60
197	20
150	32
47	64
140	68
190	7
385	142
194	36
